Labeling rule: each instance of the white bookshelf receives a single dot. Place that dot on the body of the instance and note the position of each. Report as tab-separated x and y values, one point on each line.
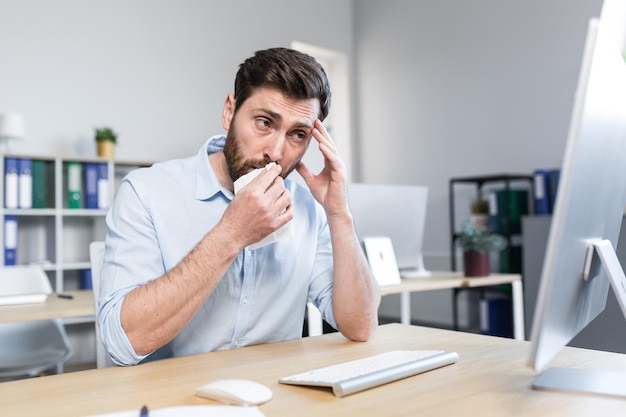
57	237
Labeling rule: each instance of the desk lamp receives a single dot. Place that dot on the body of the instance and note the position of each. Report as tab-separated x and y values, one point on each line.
11	127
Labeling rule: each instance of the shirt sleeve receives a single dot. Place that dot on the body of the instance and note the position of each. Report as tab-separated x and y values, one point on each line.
133	237
321	287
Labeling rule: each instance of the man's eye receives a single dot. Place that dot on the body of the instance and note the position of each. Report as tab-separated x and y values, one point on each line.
263	122
299	135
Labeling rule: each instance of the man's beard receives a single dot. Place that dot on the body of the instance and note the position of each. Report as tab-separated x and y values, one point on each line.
237	165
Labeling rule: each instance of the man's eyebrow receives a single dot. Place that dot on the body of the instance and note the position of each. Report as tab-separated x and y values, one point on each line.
277	116
270	113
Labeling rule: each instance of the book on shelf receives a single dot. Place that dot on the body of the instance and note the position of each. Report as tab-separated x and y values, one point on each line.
496	317
85	282
103	186
545	183
91	185
507	218
43	184
11	183
74	185
510	259
541	178
555	174
25	183
96	185
10	240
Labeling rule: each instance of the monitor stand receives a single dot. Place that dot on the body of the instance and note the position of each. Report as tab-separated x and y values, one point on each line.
588	380
415	272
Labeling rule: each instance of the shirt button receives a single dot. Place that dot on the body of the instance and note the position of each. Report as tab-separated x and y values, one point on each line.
244	300
248	252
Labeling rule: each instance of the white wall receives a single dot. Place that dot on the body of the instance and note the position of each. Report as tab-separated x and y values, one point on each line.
157	71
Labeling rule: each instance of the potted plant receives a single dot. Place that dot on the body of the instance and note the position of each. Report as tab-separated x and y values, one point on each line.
477	243
106	139
479	209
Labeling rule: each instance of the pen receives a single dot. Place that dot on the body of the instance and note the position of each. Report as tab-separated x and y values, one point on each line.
144	411
66	296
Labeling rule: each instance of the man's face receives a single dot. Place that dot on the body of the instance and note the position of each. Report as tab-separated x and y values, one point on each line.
269	127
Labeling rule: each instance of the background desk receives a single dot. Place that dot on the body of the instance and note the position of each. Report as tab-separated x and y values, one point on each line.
448	280
81	305
490	379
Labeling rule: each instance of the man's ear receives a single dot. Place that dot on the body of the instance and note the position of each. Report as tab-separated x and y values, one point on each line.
228	111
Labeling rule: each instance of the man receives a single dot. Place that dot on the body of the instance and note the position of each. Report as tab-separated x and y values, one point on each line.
179	273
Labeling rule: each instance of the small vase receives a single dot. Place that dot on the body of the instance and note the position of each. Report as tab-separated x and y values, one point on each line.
476	264
106	149
479	220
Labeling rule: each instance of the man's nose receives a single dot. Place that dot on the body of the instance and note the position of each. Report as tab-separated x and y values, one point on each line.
276	147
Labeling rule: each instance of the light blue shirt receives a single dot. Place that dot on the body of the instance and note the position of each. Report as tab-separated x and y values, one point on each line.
161	213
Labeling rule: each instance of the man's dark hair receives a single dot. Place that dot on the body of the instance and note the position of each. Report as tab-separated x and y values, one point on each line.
295	74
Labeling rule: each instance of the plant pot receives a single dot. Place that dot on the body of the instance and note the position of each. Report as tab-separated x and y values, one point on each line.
479	220
476	264
106	149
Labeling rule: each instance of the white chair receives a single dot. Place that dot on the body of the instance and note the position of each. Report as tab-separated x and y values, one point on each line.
29	347
96	257
314	320
23	285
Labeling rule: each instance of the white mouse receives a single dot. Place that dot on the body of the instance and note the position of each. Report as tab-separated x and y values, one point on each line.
235	392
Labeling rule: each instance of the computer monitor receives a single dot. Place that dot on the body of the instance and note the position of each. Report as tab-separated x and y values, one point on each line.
397	212
580	262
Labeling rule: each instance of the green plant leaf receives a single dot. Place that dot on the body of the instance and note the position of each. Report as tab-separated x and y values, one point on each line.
106	134
479	239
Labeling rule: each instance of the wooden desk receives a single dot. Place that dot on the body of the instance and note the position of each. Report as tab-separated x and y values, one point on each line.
490	379
81	305
449	280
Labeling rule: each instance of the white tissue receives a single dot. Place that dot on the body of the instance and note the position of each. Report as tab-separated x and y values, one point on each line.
286	230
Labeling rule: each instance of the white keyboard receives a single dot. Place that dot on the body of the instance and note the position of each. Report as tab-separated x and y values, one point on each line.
357	375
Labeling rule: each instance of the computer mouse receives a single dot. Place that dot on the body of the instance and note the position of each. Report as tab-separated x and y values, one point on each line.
235	392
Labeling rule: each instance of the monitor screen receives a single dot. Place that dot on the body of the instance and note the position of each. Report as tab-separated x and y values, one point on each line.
394	211
590	201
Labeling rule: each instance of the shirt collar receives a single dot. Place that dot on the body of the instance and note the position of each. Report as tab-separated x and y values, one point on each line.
208	186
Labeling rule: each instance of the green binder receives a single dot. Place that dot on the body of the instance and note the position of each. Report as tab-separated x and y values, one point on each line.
510	218
43	184
74	185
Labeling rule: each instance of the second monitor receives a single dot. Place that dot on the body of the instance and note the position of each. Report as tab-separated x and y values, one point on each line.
397	212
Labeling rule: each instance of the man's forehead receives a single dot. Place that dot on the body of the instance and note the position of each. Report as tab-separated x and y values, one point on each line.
278	105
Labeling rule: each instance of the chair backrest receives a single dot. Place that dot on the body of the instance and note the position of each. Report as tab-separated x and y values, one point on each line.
23	284
314	320
96	257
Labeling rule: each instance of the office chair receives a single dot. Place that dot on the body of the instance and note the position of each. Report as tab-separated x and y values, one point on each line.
29	347
315	324
96	258
23	285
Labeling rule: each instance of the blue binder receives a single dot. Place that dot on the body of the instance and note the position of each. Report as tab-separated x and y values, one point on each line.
103	186
541	183
25	183
10	240
555	175
10	183
91	185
